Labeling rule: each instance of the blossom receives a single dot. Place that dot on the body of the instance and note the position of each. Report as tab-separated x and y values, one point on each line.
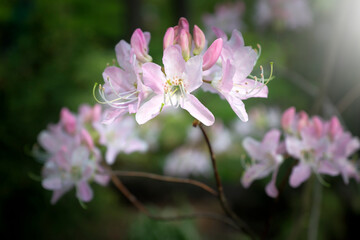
321	147
229	76
174	87
266	160
120	136
72	158
123	90
187	161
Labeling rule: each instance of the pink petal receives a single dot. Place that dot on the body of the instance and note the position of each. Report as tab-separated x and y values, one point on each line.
244	59
253	148
227	82
52	183
287	118
326	167
101	179
212	54
168	38
236	41
271	140
122	50
270	188
199	40
174	62
219	33
193	72
68	120
111	114
254	172
294	146
299	174
111	154
83	191
150	109
237	106
198	110
335	127
118	78
153	77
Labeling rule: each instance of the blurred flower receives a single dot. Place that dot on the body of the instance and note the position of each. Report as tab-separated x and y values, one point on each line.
290	14
72	159
185	161
266	160
120	136
227	17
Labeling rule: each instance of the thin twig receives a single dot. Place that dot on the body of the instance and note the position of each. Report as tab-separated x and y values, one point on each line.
118	183
223	201
165	179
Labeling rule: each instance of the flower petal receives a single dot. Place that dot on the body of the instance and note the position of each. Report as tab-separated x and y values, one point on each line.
198	110
150	109
153	77
174	62
253	148
193	72
83	191
270	188
237	105
299	174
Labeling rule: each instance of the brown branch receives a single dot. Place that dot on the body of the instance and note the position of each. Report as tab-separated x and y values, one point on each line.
118	183
165	179
223	201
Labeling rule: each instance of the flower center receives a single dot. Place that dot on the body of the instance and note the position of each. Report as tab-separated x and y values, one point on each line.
174	92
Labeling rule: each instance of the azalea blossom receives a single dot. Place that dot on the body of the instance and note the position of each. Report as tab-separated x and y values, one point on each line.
72	160
321	147
173	87
229	77
120	136
266	160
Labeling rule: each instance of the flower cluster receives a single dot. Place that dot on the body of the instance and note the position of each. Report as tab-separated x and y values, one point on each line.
290	14
72	157
142	87
320	147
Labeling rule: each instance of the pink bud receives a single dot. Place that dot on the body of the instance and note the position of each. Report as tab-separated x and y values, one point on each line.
199	40
303	120
184	44
288	118
139	46
85	136
335	127
168	37
183	24
68	120
318	124
212	54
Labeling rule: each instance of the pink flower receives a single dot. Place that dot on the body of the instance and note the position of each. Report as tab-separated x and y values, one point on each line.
72	160
266	160
120	136
174	87
229	77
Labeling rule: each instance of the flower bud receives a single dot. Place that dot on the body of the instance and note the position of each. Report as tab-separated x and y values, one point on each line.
212	54
335	127
318	125
168	38
139	45
185	44
287	118
303	120
199	40
183	24
68	120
